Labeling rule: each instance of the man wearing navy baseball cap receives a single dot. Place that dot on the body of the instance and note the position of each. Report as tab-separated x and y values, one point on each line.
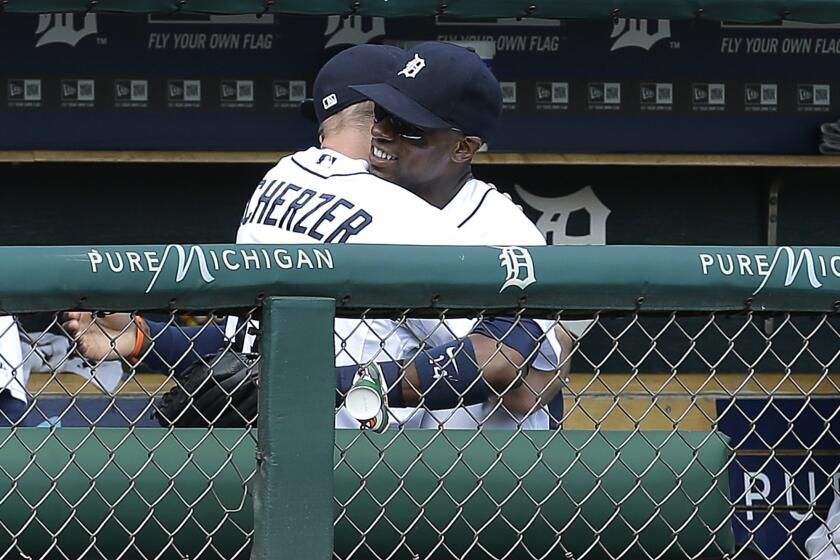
341	112
441	101
435	109
431	116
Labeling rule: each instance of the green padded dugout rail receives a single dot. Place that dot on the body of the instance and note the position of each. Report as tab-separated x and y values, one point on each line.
629	278
106	479
814	11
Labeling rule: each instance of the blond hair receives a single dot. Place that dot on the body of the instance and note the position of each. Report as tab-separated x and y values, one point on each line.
358	116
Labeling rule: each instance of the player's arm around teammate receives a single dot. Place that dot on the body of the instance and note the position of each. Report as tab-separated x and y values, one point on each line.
431	117
434	167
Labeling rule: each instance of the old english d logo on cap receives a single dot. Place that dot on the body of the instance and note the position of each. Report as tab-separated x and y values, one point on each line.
413	67
455	89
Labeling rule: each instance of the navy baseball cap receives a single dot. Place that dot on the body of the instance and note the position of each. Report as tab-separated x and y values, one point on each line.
441	85
357	65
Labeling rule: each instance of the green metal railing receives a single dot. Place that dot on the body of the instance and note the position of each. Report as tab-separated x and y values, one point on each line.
815	11
570	278
592	494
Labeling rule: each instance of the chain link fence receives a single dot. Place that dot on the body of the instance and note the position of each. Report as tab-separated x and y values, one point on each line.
83	476
650	390
654	434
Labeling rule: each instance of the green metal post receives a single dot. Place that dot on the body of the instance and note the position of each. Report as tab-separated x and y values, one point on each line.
293	489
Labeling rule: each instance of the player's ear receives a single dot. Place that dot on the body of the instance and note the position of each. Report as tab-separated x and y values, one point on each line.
466	148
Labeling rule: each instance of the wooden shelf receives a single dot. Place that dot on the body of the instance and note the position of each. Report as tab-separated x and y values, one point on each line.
492	158
725	160
649	401
136	156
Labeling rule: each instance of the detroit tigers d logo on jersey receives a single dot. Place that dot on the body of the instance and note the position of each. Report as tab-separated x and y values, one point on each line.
519	267
413	67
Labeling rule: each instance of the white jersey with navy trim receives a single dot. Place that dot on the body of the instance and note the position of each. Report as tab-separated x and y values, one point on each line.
487	217
483	213
14	377
321	196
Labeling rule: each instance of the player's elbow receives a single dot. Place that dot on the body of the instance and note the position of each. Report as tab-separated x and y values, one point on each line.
540	387
502	367
567	346
558	379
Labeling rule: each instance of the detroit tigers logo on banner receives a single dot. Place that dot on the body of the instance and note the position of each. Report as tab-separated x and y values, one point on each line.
351	30
632	32
519	267
61	28
555	212
413	67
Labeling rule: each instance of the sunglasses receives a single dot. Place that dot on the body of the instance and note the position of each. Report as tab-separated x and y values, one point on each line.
406	130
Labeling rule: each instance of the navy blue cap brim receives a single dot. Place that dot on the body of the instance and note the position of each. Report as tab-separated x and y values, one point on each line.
399	104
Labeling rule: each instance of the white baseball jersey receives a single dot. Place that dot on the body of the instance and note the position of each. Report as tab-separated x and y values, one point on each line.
487	217
486	214
13	376
321	196
483	213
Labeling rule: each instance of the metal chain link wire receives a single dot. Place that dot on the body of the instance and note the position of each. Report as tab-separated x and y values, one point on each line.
767	382
766	385
109	493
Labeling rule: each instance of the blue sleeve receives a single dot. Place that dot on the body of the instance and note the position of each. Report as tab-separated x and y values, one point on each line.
186	344
523	335
11	409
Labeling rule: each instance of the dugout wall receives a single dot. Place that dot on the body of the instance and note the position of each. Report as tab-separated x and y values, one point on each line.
64	203
682	78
